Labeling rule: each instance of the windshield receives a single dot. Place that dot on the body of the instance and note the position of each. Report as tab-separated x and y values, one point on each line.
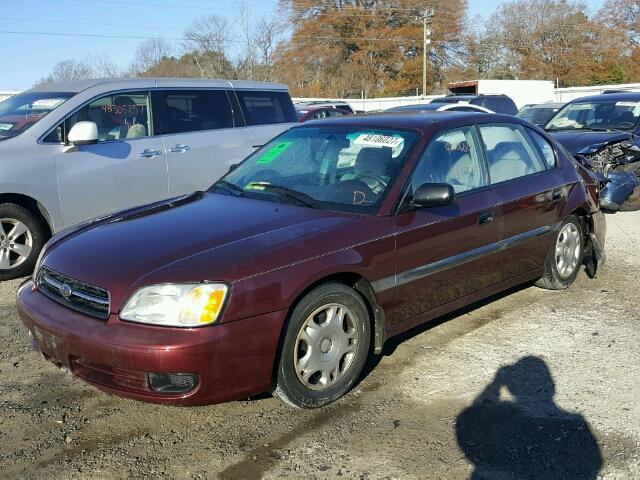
537	115
339	168
19	113
601	115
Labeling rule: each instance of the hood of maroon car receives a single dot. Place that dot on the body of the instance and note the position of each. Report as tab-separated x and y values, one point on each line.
201	237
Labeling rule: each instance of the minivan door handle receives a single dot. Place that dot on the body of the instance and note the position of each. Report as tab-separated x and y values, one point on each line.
485	217
180	148
149	153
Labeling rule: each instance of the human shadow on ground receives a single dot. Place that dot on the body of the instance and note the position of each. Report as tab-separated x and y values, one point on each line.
514	429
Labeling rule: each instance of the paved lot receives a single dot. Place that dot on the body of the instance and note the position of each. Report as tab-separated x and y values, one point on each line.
531	384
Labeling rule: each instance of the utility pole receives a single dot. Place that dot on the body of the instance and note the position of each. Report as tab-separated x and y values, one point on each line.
427	18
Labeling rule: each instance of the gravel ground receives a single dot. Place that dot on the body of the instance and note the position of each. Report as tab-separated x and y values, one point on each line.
529	384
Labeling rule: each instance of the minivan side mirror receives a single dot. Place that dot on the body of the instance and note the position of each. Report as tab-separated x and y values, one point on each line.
83	133
433	195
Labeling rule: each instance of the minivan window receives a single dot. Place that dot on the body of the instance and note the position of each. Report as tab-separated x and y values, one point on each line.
118	116
266	107
181	111
22	111
509	153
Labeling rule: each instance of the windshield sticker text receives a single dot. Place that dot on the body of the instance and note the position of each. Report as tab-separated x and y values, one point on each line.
374	140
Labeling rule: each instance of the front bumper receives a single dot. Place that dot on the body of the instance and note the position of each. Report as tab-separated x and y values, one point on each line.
232	360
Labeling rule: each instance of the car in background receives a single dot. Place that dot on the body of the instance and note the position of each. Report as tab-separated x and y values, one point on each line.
289	271
323	103
79	150
438	107
496	103
318	113
587	124
539	113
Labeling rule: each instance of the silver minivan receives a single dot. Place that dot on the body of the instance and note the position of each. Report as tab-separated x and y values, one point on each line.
79	150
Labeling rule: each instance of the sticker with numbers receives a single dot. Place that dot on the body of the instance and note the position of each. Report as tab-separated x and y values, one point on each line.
376	140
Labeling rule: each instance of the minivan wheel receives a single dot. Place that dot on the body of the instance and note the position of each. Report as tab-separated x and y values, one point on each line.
565	257
325	347
21	239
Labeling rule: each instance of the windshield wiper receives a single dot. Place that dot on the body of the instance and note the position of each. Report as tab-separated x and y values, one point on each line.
288	193
231	187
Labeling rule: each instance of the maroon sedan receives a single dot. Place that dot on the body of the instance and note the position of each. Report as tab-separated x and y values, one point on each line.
304	259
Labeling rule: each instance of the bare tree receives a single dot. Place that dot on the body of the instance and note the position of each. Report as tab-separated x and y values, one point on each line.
209	38
150	53
97	66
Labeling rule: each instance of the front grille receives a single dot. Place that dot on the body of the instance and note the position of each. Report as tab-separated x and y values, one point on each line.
73	293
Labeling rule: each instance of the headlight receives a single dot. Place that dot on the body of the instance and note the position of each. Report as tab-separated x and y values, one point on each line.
176	305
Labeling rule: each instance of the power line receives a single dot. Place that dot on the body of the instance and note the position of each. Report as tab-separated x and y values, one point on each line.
71	22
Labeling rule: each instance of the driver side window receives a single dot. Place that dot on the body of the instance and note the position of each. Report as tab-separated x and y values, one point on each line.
118	116
452	157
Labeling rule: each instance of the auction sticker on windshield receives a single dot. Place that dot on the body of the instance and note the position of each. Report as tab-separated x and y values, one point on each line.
274	152
375	140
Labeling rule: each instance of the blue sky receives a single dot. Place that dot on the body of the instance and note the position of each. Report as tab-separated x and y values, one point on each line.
26	58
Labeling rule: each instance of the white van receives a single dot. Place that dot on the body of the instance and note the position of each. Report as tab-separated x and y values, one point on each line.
75	151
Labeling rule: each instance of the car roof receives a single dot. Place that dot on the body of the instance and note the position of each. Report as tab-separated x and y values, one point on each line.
545	105
422	121
613	97
76	86
415	106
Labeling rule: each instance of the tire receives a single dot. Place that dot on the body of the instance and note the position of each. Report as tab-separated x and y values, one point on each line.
632	203
561	266
18	254
334	360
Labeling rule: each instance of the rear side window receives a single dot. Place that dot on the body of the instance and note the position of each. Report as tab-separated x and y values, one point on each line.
182	111
545	148
509	154
266	107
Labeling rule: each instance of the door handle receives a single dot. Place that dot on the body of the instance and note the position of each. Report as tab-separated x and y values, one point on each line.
180	148
149	153
485	217
557	195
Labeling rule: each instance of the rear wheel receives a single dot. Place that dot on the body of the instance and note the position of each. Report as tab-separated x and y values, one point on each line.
22	237
565	257
325	347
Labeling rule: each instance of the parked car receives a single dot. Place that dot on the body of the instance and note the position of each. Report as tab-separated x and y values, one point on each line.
539	113
605	129
75	151
324	103
439	107
495	103
286	273
318	113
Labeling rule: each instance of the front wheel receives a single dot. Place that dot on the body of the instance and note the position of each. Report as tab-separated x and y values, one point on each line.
325	347
21	240
565	257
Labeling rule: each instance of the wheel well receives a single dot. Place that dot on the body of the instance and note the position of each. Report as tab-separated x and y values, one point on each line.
585	218
360	285
30	204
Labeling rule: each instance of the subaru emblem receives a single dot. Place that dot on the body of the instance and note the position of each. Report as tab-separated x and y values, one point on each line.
65	290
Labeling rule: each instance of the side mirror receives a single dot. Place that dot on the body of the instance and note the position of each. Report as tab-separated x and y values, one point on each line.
433	195
232	167
83	133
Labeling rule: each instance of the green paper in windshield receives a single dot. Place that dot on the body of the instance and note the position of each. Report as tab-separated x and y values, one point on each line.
274	152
